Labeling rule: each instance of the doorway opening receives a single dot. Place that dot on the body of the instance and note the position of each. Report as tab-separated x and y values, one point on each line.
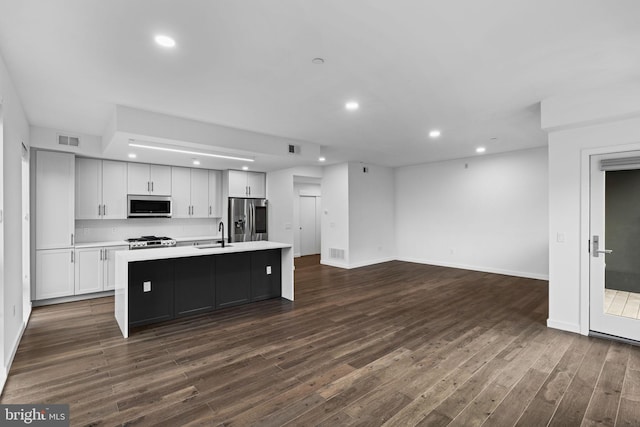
614	245
26	237
307	217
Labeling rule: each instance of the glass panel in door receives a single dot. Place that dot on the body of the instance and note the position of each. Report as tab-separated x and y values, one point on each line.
615	250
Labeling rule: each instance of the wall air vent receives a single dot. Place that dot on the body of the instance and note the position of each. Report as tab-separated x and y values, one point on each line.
335	253
72	141
294	149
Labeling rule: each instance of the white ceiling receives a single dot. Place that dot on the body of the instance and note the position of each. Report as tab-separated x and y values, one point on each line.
476	70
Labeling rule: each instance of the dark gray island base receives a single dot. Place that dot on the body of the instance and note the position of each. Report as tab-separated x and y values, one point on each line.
156	285
178	287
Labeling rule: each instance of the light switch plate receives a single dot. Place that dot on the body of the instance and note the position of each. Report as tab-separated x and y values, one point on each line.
146	286
268	269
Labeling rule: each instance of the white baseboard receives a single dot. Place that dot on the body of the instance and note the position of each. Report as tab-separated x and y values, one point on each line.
524	274
564	326
370	262
4	372
334	263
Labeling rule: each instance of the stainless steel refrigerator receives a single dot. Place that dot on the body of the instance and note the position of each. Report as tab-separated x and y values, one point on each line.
247	219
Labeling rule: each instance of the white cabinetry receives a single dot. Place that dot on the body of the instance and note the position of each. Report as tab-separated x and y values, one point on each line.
54	273
149	179
215	194
54	200
190	193
101	189
247	184
95	269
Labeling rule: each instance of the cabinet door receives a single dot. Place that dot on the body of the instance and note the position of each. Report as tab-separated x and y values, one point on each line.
237	184
160	177
199	193
138	181
233	279
266	279
181	190
256	181
150	291
54	273
109	261
88	188
194	286
88	271
215	194
114	190
55	201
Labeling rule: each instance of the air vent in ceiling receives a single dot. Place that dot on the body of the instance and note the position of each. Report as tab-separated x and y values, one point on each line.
294	149
72	141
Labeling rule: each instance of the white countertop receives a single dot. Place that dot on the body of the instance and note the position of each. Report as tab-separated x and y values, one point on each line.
196	238
187	251
101	244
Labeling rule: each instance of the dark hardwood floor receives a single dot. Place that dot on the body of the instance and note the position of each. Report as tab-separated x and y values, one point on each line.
396	343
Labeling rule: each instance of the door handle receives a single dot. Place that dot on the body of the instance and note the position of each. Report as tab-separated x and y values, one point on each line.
596	248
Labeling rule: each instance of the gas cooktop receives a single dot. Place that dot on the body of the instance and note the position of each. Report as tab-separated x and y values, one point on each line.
146	242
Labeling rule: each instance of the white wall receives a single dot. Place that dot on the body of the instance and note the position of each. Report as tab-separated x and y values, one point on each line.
111	230
15	132
486	213
372	227
335	214
577	125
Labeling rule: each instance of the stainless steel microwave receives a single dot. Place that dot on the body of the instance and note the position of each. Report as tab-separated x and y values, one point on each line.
148	206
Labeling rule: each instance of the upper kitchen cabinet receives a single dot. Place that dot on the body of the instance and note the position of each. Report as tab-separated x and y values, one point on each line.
190	192
247	184
149	179
54	187
101	189
215	194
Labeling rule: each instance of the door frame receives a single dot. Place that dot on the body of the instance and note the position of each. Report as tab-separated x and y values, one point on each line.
585	222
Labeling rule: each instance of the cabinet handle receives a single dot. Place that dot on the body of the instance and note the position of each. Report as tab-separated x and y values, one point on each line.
105	254
209	210
100	254
152	186
99	210
249	187
71	239
104	210
72	257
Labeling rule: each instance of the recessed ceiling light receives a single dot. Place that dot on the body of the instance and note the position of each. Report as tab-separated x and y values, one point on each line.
245	168
165	41
321	159
132	155
352	105
480	150
197	153
434	133
317	61
196	162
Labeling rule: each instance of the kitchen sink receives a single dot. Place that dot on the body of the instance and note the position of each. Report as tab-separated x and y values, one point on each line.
213	245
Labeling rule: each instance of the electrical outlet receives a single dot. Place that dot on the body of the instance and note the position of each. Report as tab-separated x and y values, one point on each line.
146	286
268	269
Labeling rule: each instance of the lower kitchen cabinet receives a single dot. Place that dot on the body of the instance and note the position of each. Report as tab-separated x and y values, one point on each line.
265	274
54	273
95	269
194	290
233	279
151	291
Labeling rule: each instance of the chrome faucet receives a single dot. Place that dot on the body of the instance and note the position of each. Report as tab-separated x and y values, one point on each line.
221	228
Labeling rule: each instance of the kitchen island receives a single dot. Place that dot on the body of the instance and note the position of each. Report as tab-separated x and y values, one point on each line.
154	285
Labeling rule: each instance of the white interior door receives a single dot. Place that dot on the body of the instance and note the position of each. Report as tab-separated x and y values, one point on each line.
614	295
309	242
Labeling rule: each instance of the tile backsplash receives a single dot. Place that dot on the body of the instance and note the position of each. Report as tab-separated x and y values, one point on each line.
103	230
